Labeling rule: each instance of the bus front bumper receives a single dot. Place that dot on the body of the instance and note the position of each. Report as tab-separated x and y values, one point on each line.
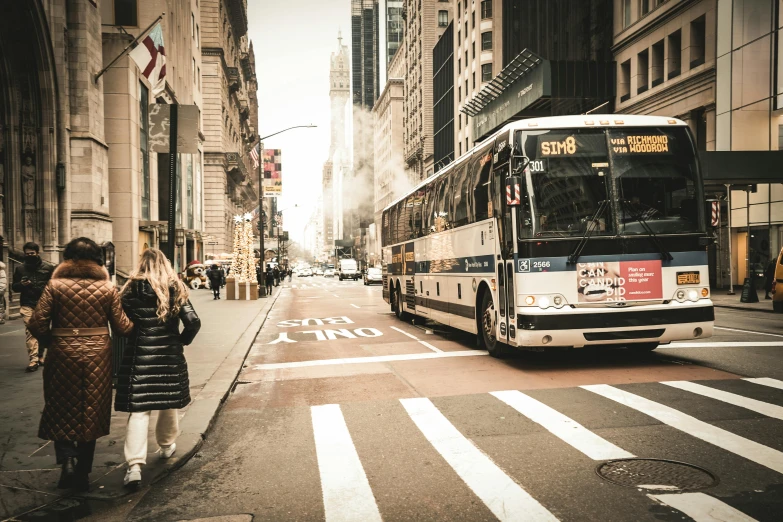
661	323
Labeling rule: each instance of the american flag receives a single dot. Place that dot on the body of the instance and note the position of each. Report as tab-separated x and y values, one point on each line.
254	155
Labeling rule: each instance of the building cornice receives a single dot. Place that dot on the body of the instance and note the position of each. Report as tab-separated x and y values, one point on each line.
88	136
673	93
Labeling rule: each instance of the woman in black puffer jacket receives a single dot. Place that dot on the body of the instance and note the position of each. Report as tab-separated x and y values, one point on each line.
153	374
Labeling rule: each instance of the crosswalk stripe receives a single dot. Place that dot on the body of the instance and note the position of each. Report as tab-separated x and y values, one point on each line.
702	508
764	408
721	438
568	430
346	491
766	381
504	497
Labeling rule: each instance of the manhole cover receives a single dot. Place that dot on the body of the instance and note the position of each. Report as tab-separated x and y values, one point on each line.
656	475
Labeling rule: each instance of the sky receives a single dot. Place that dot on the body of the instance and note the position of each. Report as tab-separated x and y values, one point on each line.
293	41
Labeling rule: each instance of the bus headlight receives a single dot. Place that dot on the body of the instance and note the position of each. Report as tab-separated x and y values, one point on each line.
544	302
693	295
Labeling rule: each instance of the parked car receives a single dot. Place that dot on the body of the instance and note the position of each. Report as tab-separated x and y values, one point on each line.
318	271
329	272
373	276
306	272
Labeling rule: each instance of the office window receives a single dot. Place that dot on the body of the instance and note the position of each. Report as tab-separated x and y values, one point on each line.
460	148
466	144
459	92
644	7
642	66
486	9
625	80
198	76
459	38
656	70
626	13
473	47
486	41
474	79
697	42
443	18
473	19
198	37
119	12
675	53
192	25
486	72
466	28
467	92
194	70
459	65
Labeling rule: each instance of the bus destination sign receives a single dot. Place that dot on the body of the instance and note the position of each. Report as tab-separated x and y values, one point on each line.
640	144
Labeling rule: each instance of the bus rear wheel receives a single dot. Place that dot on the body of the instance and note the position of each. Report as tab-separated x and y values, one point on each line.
487	328
397	305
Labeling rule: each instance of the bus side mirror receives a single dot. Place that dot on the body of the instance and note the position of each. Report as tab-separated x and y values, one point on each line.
513	193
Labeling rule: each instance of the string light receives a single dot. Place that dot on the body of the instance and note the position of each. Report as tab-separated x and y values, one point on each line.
243	262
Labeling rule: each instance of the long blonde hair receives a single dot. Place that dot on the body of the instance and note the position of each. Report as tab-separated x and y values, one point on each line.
156	270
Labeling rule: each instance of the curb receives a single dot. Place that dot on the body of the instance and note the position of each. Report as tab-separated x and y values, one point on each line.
198	419
744	308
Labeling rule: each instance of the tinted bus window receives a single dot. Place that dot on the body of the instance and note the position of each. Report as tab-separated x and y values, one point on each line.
481	184
460	195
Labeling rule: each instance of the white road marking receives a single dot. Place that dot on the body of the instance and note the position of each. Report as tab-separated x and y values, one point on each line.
721	438
282	337
766	381
702	508
12	331
764	408
423	343
370	359
504	497
354	305
565	428
337	296
768	344
346	491
746	331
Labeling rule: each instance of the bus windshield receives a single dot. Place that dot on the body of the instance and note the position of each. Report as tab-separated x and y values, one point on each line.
641	180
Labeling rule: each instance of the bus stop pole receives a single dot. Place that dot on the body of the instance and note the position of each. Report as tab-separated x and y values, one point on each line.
262	283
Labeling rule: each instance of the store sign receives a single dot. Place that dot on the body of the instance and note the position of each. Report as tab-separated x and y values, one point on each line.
618	281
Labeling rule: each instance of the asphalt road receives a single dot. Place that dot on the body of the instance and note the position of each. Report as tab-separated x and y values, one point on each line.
426	427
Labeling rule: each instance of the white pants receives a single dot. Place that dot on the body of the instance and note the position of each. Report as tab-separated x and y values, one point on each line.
166	431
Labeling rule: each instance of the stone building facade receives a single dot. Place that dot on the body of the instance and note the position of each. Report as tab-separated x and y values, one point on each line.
425	22
230	119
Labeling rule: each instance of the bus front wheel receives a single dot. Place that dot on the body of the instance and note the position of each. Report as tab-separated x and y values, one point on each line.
488	328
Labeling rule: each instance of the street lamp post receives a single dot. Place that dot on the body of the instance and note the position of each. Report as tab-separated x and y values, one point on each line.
262	288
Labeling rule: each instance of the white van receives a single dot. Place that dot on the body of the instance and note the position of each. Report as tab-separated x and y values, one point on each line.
347	269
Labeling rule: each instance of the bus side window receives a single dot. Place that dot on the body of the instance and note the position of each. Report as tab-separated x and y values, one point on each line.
460	193
418	205
429	210
385	229
481	186
393	225
442	205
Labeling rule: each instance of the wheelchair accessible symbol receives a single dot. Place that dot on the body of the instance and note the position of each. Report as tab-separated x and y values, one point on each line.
524	265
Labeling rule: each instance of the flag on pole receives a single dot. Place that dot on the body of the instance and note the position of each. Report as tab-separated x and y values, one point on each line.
254	155
150	56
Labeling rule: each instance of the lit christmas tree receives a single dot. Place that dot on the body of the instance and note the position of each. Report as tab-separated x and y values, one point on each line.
243	263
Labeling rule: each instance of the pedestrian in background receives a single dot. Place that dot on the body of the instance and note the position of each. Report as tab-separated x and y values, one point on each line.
290	273
3	288
153	373
29	281
769	278
270	279
72	315
217	279
276	272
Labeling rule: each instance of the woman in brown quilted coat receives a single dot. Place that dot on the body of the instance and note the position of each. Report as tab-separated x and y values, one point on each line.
72	317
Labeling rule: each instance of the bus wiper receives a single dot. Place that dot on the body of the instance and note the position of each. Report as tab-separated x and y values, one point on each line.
589	232
637	216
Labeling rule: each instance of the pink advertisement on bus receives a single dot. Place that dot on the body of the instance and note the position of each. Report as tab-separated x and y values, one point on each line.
612	281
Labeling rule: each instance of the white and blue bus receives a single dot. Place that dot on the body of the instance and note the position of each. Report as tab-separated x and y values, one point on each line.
563	231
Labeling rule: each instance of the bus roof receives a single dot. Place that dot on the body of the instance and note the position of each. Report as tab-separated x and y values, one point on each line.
554	122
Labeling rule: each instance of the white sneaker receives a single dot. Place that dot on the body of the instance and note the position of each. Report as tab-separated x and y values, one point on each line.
168	451
132	476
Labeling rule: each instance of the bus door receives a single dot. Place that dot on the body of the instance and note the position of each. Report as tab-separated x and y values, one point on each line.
504	264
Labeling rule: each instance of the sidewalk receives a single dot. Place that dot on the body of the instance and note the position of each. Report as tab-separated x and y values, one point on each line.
721	300
28	473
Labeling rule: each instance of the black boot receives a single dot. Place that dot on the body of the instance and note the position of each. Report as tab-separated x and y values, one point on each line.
68	474
81	482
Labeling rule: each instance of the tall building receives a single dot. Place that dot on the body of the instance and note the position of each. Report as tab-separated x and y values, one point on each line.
524	58
229	82
425	23
443	99
395	28
366	66
390	177
335	166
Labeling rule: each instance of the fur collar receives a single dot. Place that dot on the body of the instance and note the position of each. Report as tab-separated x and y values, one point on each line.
80	270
